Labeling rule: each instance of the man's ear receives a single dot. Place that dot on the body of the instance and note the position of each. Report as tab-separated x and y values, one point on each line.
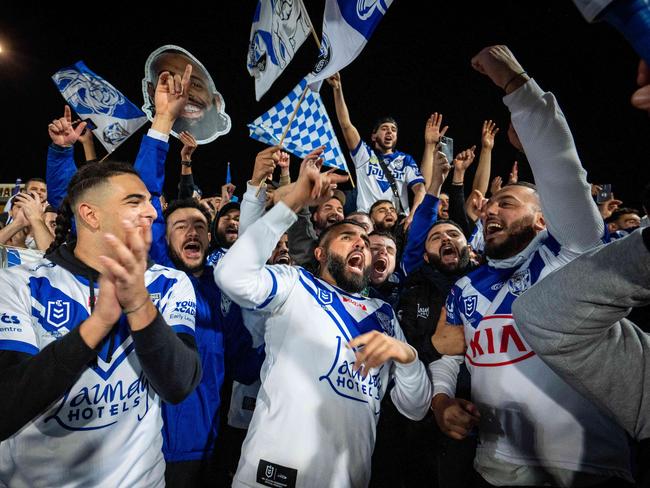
88	216
320	255
540	223
425	256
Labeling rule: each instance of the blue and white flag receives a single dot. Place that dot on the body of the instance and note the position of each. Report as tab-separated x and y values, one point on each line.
94	98
347	27
310	129
279	29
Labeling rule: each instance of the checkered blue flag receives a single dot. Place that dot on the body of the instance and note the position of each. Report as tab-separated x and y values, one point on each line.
310	129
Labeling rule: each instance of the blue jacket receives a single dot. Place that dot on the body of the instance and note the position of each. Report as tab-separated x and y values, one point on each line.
224	344
425	216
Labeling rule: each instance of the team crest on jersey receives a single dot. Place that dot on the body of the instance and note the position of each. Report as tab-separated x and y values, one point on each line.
386	323
324	296
520	282
58	313
470	305
225	303
398	163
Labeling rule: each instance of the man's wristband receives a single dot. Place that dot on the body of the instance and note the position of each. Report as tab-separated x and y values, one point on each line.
186	163
127	312
521	73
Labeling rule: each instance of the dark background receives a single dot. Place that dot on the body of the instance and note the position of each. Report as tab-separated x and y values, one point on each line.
416	63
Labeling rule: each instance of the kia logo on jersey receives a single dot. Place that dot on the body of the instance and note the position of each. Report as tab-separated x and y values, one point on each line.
496	342
58	313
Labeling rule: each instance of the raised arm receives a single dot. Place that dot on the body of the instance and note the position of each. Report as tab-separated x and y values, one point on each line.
350	132
60	156
242	273
457	202
88	143
570	213
575	325
186	185
32	209
482	175
432	135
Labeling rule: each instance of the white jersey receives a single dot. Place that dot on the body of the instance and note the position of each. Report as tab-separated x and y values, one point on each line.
105	430
372	182
529	415
315	419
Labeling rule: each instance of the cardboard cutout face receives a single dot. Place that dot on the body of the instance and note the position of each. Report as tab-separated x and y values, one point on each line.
204	115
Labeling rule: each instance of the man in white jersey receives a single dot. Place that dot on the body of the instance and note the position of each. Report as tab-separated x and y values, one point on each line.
330	352
373	184
534	429
96	336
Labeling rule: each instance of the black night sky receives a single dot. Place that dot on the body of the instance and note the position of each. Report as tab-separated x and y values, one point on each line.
416	63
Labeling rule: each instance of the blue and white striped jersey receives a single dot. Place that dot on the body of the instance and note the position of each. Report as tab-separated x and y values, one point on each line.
105	430
529	415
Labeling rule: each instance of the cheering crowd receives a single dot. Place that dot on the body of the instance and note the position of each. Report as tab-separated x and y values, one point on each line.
388	336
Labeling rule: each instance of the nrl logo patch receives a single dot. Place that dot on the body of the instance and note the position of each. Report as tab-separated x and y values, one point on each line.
58	313
324	296
470	305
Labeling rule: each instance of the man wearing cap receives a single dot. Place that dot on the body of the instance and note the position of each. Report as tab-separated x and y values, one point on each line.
374	161
224	231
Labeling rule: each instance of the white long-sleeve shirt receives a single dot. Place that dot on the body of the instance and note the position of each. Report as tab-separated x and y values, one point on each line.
530	417
315	418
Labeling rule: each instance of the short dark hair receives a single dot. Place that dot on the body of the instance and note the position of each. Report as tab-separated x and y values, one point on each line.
86	178
323	237
383	233
186	203
619	212
358	212
386	119
37	179
446	221
379	202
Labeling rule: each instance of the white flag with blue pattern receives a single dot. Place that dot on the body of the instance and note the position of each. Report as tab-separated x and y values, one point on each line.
347	27
94	98
310	129
279	28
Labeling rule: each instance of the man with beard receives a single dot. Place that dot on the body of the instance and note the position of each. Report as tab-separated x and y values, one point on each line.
181	240
383	215
224	230
373	161
436	255
534	428
330	351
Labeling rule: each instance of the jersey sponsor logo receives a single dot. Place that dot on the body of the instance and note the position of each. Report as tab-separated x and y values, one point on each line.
5	318
470	305
351	384
423	312
98	406
497	286
519	282
58	313
354	302
496	342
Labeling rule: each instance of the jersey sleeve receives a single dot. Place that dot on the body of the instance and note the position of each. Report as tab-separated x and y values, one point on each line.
361	155
179	306
412	174
16	331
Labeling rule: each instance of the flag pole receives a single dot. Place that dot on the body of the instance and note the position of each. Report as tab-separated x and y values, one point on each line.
320	48
286	130
311	26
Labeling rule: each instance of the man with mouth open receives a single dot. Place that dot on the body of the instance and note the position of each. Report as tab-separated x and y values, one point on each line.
330	351
534	428
181	240
204	113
